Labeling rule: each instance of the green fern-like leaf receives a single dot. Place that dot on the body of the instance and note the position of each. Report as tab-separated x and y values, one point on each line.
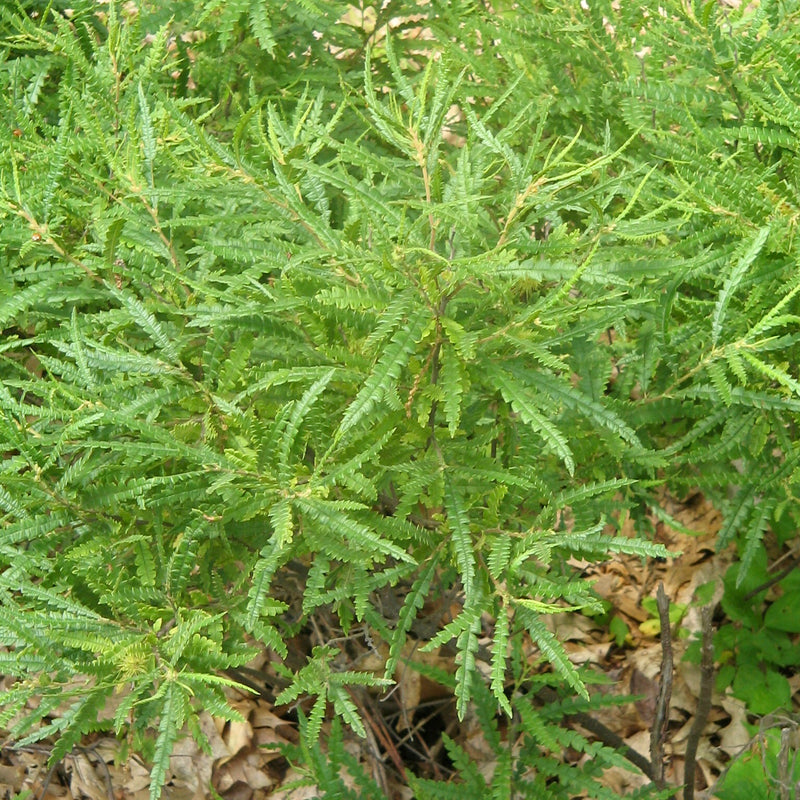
411	605
732	281
461	534
500	659
174	708
270	559
593	410
554	652
331	517
520	400
387	370
466	646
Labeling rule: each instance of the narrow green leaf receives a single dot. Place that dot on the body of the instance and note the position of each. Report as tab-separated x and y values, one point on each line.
145	320
554	652
464	621
734	278
387	370
413	602
720	380
499	554
598	412
522	401
113	234
773	373
80	353
148	136
499	659
466	647
315	719
58	160
753	537
145	563
270	559
346	709
173	709
335	522
458	521
299	412
280	515
452	384
735	517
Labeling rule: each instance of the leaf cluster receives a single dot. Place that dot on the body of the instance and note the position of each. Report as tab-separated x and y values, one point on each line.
378	305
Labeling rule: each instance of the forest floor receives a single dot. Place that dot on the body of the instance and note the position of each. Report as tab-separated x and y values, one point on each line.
404	732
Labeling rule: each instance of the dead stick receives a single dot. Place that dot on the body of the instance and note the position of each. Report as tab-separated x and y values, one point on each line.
703	703
661	719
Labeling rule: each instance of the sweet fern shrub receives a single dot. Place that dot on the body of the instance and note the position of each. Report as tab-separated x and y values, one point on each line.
313	309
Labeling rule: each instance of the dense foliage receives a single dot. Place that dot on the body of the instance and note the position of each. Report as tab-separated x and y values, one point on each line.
308	307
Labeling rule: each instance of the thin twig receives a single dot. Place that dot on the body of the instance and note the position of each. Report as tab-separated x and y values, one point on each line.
91	752
661	719
48	778
773	580
376	728
703	702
